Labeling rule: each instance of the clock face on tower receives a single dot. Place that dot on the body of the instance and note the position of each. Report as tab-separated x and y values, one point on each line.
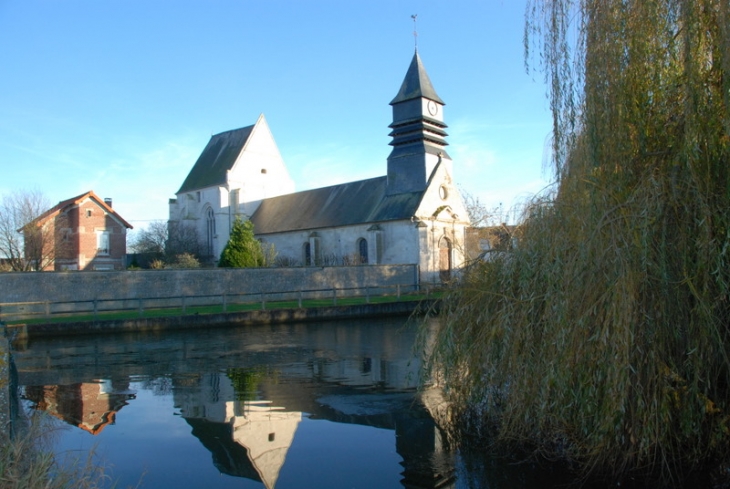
433	108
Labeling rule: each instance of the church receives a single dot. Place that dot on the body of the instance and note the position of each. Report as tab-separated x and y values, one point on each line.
412	215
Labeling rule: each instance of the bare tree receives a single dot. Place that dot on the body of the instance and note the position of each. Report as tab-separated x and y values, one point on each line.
184	238
152	240
28	242
479	214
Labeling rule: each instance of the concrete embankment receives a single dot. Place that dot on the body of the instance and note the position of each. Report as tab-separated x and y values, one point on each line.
195	321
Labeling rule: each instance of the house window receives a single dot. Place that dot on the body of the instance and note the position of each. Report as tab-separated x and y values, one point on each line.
102	242
88	212
362	250
209	230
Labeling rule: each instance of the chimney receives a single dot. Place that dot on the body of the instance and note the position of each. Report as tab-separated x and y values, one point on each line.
108	201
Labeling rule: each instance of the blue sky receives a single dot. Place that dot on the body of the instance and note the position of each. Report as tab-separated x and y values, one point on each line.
121	96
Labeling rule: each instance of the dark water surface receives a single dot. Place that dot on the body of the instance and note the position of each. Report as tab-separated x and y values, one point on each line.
326	405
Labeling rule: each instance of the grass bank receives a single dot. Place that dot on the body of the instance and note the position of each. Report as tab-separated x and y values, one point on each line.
196	317
150	313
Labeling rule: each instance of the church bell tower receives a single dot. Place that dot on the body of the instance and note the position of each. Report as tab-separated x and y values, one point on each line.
417	131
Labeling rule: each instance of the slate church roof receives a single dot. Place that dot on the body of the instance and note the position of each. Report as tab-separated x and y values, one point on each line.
347	204
416	84
216	159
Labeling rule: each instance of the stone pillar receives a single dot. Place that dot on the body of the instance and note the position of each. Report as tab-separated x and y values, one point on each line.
8	388
4	385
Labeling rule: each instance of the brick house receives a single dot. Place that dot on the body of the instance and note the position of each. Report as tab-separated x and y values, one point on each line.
84	232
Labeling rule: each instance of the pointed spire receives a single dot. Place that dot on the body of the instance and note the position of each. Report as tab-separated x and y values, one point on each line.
416	84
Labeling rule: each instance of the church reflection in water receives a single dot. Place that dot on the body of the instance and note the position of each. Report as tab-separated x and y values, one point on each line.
247	417
250	438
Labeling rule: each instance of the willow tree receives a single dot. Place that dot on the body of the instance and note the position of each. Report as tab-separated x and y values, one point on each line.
604	338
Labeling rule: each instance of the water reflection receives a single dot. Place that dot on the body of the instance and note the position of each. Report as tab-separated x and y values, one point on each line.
262	401
90	406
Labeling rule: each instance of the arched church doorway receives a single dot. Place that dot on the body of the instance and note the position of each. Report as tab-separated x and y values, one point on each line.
445	262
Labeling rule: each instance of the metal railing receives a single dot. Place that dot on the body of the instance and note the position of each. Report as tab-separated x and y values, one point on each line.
214	303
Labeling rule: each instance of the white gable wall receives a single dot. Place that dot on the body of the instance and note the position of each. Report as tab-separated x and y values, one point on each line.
259	172
442	215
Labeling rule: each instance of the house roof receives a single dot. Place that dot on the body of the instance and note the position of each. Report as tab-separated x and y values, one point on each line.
416	84
217	158
73	201
347	204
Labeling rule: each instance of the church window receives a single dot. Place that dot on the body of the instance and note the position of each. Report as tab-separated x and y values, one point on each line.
315	249
88	212
197	196
376	236
307	250
362	250
209	230
443	192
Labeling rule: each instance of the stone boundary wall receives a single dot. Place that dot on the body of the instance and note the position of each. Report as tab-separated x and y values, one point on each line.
103	285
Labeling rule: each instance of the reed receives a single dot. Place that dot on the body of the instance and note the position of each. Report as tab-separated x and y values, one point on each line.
28	462
602	340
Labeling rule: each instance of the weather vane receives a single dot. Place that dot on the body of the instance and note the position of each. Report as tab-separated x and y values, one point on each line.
415	31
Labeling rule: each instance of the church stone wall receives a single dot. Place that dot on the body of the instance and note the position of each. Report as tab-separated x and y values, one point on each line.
86	286
397	242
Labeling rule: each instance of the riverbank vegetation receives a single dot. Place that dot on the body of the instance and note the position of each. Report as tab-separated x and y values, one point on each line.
27	463
602	340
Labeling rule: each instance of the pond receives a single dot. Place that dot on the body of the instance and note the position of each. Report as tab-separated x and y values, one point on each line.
321	405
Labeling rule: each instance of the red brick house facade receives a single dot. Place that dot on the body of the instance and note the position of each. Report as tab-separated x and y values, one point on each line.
87	234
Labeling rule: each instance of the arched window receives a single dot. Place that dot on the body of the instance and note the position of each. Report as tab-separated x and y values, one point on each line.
307	254
313	252
362	250
445	259
209	230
